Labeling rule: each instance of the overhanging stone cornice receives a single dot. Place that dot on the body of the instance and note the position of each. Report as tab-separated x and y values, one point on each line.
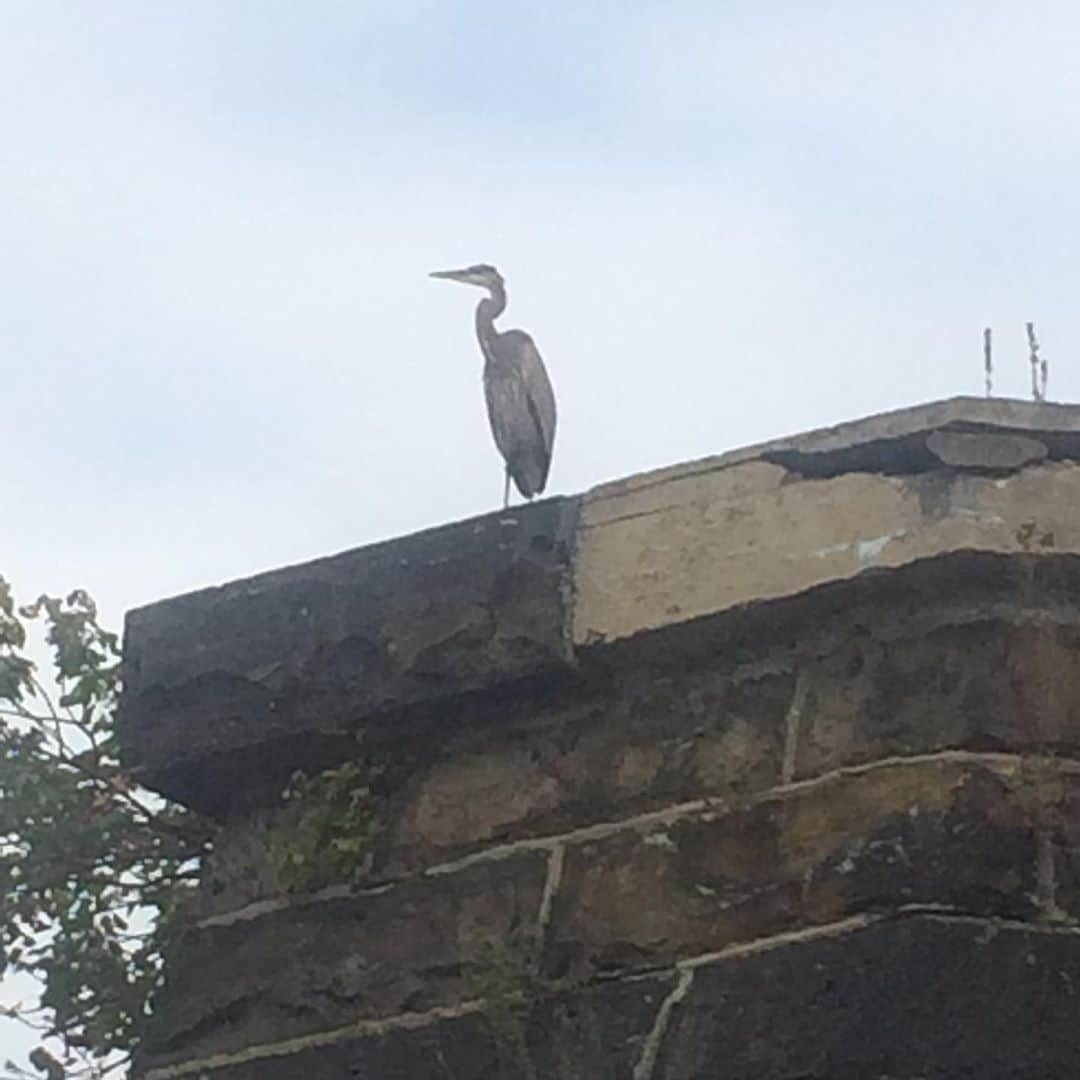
233	687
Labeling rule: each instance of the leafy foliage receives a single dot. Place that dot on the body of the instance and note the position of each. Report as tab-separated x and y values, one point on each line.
93	870
325	831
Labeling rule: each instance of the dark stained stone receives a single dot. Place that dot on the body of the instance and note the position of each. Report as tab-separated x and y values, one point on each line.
239	685
916	999
653	738
313	967
596	1033
637	741
988	684
1055	795
933	833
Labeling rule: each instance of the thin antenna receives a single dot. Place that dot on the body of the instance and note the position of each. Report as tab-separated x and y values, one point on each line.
988	362
1043	371
1038	371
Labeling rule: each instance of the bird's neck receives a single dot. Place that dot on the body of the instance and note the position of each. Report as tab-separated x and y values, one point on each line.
487	311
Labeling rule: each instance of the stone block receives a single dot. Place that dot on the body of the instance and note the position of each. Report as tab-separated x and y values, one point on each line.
660	567
649	740
991	451
594	1033
989	684
678	486
934	833
652	739
889	442
277	671
831	609
922	998
319	966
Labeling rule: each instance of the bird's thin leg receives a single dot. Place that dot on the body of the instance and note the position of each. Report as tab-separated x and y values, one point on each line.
506	490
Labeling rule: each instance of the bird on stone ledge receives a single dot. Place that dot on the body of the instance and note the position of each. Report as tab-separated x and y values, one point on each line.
520	401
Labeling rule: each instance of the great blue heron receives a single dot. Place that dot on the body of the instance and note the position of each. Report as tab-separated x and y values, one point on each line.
520	401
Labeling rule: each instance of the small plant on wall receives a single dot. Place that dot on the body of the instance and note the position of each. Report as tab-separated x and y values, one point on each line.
326	828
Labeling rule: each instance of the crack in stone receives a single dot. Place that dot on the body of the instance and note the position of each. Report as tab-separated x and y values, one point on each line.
551	885
1045	880
793	723
646	1065
401	1022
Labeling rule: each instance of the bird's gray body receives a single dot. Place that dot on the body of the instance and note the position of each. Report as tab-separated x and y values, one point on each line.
520	401
521	408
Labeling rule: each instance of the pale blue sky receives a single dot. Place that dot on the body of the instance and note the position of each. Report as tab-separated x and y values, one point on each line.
722	222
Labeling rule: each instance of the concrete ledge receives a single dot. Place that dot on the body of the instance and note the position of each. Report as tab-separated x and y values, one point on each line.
654	566
891	442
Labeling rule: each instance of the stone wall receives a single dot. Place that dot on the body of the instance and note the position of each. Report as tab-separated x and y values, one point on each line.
764	766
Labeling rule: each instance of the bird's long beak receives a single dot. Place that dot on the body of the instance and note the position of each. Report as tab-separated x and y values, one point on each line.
451	275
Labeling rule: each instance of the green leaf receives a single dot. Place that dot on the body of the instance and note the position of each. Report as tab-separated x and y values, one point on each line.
83	848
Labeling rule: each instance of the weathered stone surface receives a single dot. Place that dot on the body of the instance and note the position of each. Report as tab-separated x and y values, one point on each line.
645	739
656	737
320	966
280	668
985	685
652	739
596	1033
890	442
287	665
1053	789
229	690
239	871
939	832
676	488
760	651
991	451
657	567
928	997
920	998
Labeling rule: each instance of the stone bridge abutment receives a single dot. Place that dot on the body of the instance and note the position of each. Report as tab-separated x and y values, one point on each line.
766	766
